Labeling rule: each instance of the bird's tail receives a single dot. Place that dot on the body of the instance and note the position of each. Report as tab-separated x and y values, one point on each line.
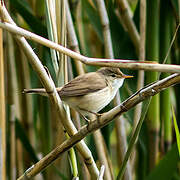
40	91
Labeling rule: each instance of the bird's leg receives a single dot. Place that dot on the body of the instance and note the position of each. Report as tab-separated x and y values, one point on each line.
95	113
91	112
84	117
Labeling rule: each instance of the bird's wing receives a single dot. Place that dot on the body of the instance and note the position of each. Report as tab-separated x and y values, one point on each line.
83	85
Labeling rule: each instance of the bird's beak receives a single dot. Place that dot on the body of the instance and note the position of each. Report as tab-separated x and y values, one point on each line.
127	76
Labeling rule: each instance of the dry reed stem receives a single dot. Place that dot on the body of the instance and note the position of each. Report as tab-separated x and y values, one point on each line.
129	23
72	40
109	54
128	64
142	54
121	141
101	173
98	138
15	101
13	169
105	28
2	113
102	154
140	81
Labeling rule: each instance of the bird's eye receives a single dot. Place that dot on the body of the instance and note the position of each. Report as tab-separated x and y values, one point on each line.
113	75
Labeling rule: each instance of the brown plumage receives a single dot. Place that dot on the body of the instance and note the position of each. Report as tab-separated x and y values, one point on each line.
82	85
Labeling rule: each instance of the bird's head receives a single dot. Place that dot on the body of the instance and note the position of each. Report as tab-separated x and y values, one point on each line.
113	73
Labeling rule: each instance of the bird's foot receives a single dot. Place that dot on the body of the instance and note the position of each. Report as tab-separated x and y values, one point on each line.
98	115
95	113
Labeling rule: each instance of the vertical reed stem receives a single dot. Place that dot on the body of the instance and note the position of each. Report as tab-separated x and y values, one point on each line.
153	55
165	38
2	113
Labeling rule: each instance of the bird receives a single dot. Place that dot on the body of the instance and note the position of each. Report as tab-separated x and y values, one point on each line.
91	92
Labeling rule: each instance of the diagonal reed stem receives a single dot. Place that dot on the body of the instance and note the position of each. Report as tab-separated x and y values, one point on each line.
121	63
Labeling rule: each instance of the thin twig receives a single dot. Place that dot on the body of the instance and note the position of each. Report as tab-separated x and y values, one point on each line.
172	42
